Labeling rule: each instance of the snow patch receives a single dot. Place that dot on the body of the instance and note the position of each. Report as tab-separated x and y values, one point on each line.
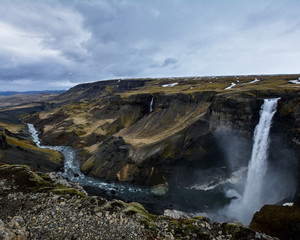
231	86
254	81
297	81
288	204
169	85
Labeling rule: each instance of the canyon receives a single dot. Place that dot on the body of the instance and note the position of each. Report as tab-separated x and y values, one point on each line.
185	137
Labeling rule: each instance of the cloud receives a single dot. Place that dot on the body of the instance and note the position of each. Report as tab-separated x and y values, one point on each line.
76	41
169	61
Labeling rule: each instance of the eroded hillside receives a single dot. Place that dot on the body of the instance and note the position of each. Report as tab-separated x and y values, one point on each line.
16	145
163	131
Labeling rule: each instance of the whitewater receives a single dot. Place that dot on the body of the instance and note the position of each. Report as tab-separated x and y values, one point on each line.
252	199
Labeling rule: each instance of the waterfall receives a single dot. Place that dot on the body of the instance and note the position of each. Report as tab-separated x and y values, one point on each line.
252	200
151	104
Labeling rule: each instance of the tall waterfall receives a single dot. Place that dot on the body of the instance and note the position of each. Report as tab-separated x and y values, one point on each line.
252	200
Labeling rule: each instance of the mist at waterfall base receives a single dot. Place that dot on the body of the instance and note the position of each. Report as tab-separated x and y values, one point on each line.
271	174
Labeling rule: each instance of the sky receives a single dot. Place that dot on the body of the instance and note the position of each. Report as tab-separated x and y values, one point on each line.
52	45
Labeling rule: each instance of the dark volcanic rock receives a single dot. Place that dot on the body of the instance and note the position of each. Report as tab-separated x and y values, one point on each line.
3	142
15	149
114	152
237	113
94	90
278	221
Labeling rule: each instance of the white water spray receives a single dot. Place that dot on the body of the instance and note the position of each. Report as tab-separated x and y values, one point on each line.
151	104
252	200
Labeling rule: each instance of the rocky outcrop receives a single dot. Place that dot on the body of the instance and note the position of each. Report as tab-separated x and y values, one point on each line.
3	141
96	89
20	178
17	148
34	209
235	112
278	221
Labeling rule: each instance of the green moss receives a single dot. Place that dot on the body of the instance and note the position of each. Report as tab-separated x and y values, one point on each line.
44	183
199	218
184	227
130	208
129	118
8	166
289	108
41	180
88	164
63	190
148	225
53	156
77	106
233	229
174	224
37	181
110	90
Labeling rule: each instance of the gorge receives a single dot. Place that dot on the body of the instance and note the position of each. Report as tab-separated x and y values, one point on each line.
181	144
241	208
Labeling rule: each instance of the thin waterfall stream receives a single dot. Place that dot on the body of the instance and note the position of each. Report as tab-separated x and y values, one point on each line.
151	105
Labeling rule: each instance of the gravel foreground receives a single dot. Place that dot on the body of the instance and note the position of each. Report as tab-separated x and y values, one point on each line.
48	215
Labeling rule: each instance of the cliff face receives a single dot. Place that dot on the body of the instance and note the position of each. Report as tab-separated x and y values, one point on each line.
194	128
16	146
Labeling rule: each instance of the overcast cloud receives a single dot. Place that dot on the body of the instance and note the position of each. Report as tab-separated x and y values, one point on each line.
58	44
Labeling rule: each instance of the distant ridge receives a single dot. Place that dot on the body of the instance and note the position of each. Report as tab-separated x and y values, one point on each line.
10	93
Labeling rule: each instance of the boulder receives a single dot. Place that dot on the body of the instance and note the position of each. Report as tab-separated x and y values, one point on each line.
278	221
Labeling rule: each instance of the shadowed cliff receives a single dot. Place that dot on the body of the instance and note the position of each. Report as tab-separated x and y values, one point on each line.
119	139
